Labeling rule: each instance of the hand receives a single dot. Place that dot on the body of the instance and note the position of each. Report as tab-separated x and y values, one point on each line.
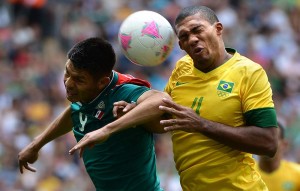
122	107
185	118
89	140
27	155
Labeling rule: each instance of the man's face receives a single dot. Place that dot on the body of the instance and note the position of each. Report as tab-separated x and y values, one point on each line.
80	85
199	39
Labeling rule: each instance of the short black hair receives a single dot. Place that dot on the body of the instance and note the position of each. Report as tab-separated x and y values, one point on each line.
94	55
205	12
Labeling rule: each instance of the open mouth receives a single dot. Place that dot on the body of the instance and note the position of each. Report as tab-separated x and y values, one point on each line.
71	94
198	50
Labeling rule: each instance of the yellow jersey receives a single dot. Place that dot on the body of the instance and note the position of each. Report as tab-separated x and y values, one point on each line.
236	93
285	178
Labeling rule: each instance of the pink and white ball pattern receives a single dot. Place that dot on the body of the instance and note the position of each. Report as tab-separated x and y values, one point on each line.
146	38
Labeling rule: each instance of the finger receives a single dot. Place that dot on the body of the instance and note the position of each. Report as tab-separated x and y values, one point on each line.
170	125
21	167
171	103
169	122
116	109
129	106
71	151
169	110
75	148
82	143
26	166
30	168
120	103
171	128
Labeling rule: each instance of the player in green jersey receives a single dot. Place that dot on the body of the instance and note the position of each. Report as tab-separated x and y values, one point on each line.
278	173
126	161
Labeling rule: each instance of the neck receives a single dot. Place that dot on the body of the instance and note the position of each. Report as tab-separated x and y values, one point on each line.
226	57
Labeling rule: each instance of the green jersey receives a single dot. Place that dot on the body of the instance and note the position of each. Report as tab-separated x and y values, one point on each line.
126	161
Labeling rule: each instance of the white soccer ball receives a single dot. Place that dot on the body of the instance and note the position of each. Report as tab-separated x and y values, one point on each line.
146	38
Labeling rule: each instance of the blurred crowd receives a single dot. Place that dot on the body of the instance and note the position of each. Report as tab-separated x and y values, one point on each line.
36	34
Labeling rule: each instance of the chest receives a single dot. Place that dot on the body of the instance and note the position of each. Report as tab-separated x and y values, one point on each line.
87	119
217	98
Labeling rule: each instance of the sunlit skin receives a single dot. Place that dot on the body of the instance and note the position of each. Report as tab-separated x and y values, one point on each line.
269	164
80	85
202	41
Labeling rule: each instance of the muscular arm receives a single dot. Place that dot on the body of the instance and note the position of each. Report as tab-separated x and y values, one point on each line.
146	112
60	126
251	139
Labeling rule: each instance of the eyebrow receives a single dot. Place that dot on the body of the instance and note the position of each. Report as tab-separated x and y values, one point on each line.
196	26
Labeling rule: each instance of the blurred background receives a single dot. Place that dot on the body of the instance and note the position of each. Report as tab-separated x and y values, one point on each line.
36	34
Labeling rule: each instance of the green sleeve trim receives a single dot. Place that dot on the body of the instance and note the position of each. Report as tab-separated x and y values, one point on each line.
262	117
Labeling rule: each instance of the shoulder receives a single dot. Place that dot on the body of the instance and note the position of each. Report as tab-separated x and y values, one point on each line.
183	66
248	65
128	92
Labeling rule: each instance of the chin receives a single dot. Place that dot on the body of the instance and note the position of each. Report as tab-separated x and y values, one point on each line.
72	99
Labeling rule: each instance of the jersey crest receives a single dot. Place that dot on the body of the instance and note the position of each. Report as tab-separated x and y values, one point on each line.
224	88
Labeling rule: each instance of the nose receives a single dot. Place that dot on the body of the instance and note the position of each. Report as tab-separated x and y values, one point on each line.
68	82
193	39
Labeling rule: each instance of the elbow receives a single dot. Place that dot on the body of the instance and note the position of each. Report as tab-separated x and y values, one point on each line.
271	150
272	143
164	95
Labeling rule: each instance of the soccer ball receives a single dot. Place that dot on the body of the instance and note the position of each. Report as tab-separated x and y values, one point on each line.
146	38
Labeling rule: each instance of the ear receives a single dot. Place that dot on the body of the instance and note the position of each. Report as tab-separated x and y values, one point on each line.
219	28
103	82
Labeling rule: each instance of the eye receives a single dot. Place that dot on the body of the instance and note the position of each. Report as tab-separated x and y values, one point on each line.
197	30
79	80
183	37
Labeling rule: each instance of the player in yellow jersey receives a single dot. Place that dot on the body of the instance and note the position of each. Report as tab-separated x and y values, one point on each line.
278	173
222	107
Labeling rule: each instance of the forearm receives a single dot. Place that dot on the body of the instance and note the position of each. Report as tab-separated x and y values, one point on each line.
146	112
251	139
60	126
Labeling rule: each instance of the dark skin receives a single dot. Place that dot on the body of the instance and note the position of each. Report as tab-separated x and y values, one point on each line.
268	164
204	44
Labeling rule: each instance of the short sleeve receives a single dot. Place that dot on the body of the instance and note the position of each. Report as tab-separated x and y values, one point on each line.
257	102
131	92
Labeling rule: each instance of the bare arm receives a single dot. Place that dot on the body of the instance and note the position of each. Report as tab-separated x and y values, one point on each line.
60	126
146	111
251	139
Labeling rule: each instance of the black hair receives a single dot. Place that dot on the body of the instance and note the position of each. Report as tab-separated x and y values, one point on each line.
205	12
94	55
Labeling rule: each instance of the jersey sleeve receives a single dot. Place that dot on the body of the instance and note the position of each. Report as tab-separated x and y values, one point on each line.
131	92
257	102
